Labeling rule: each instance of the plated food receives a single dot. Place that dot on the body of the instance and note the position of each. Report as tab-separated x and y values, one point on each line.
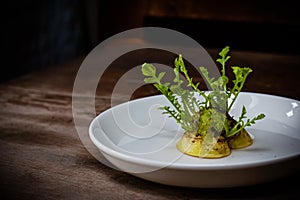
210	131
135	137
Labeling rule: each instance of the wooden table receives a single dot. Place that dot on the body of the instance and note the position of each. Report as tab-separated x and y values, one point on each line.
42	156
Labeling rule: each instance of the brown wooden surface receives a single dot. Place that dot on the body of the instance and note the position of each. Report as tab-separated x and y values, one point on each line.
42	156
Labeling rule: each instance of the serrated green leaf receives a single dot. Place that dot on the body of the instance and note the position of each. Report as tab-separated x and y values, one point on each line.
224	51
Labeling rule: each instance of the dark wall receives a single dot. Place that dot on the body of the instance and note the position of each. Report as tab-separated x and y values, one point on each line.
39	34
42	33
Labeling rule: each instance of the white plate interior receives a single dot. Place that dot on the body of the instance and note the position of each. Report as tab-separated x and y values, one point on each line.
137	132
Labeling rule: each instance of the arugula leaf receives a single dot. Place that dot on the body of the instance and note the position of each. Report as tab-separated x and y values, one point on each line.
240	77
184	111
241	124
224	58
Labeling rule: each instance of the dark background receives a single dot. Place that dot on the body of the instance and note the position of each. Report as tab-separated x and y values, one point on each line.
38	34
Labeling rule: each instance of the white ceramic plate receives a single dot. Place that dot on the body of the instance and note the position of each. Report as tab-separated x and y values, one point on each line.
137	138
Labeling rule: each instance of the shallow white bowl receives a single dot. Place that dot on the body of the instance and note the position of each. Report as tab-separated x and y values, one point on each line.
137	138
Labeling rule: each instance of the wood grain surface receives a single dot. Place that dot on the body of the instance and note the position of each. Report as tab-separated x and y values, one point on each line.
42	156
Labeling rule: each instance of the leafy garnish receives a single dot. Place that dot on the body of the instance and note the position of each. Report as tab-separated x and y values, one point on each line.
216	104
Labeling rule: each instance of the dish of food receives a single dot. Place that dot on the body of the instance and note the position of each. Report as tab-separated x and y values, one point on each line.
218	138
132	142
210	131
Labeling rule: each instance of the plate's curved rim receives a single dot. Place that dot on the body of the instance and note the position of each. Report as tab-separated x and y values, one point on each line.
182	166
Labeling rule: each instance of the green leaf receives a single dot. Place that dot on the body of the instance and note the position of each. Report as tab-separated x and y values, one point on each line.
150	80
204	72
241	75
161	75
148	69
244	111
224	52
260	116
224	58
225	80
